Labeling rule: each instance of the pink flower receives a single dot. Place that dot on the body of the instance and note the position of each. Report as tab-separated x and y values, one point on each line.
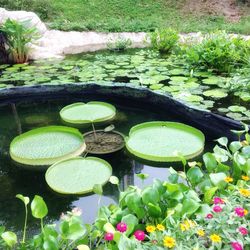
209	216
236	246
109	236
76	211
139	235
121	227
217	209
243	230
218	200
239	211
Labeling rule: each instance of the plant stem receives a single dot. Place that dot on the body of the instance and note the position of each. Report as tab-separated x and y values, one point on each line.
25	224
42	224
94	131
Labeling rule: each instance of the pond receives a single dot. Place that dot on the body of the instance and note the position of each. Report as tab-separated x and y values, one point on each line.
18	116
137	67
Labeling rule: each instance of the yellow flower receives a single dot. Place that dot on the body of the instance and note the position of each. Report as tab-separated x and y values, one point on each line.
200	232
228	179
245	192
245	178
189	223
245	212
169	242
183	227
150	228
160	227
215	238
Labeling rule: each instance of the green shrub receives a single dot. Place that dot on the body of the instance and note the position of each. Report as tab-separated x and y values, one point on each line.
219	51
119	44
18	36
164	40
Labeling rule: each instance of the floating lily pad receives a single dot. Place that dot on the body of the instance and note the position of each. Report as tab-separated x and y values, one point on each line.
82	175
85	113
236	108
213	80
216	93
163	141
46	145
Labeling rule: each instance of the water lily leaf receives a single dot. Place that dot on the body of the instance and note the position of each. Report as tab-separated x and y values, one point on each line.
85	113
213	80
82	175
236	108
161	141
215	93
46	145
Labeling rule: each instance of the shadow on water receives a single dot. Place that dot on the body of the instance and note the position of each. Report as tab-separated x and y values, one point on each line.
18	116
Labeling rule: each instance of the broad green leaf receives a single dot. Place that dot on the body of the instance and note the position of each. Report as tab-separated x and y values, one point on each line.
154	210
46	145
131	222
38	207
10	238
165	141
208	195
134	203
223	141
210	161
82	175
218	179
190	207
114	180
150	195
194	175
235	146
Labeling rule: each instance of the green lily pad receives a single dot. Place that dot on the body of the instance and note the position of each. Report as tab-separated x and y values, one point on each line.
236	108
46	145
213	80
164	141
82	175
85	113
215	93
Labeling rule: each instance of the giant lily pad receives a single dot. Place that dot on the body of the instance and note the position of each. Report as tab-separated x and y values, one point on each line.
47	145
85	113
164	141
82	174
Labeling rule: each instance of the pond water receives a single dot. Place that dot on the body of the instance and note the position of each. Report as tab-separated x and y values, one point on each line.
202	89
20	116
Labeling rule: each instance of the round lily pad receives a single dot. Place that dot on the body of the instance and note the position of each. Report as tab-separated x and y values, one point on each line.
47	145
82	175
236	108
164	141
215	93
85	113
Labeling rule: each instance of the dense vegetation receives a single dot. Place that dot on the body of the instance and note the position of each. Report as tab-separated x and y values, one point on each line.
191	209
127	15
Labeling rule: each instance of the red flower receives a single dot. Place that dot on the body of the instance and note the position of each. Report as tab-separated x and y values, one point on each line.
121	227
139	235
109	236
217	209
218	200
239	211
236	246
209	216
243	230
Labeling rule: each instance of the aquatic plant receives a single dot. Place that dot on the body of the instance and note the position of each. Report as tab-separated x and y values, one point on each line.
119	44
19	35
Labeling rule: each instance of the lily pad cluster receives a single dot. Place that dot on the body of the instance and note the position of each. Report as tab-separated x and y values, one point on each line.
204	90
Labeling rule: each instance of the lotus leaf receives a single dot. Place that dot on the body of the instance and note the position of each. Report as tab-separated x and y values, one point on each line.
164	141
215	93
46	145
82	175
85	113
236	108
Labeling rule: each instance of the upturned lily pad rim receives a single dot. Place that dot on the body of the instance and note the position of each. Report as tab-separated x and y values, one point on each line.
153	158
84	122
80	158
110	152
33	163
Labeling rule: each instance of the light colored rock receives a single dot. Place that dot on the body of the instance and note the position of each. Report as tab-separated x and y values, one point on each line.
23	16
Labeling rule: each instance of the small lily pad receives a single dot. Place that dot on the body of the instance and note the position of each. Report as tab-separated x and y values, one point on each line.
236	108
215	93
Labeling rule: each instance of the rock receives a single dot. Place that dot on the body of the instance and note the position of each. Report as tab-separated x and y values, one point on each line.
23	16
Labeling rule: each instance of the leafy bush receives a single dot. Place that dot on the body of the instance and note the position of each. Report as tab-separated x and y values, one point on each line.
201	208
18	36
119	44
218	51
164	40
41	7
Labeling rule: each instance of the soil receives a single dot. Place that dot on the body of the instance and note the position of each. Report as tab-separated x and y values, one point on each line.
227	8
105	142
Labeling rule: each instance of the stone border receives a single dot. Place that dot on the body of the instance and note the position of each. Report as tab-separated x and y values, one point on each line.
210	123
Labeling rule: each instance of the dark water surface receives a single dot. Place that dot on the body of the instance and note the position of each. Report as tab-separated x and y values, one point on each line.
20	116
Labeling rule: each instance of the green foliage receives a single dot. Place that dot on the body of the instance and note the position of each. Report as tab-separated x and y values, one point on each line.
218	51
119	44
18	36
164	40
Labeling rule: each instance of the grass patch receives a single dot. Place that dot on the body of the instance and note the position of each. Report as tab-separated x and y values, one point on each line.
131	15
